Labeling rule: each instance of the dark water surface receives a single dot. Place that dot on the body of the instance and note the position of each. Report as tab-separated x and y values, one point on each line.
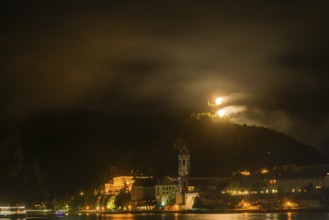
175	216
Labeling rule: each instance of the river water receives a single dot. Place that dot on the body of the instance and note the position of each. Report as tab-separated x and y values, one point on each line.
175	216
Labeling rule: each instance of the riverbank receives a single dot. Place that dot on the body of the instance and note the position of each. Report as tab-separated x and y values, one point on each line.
136	212
320	210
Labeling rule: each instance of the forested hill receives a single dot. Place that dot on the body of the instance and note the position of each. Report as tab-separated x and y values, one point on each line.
68	150
223	144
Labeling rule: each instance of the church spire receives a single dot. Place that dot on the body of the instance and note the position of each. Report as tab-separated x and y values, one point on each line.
184	165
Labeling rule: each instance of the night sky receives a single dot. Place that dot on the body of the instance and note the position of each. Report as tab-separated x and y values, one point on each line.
269	58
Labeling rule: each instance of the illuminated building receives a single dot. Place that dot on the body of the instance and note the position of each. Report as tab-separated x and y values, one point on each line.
184	198
119	183
301	178
165	191
122	182
310	204
108	188
184	165
299	184
143	194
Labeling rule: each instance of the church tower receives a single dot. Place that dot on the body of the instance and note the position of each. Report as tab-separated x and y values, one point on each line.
184	165
184	198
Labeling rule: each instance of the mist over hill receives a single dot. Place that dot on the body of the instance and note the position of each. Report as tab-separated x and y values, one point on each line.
70	150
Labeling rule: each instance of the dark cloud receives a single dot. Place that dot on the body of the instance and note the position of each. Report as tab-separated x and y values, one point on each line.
171	54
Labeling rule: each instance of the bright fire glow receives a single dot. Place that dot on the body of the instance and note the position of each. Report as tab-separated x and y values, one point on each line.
221	113
218	100
264	171
245	173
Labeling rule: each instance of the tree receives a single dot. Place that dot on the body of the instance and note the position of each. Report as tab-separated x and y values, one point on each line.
122	199
197	203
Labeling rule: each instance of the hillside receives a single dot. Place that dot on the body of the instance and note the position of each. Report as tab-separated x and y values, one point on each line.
73	149
223	144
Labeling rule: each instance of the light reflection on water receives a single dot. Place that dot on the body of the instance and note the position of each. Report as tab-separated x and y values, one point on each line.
176	216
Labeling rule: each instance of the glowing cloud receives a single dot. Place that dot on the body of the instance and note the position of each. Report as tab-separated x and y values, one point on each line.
232	110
